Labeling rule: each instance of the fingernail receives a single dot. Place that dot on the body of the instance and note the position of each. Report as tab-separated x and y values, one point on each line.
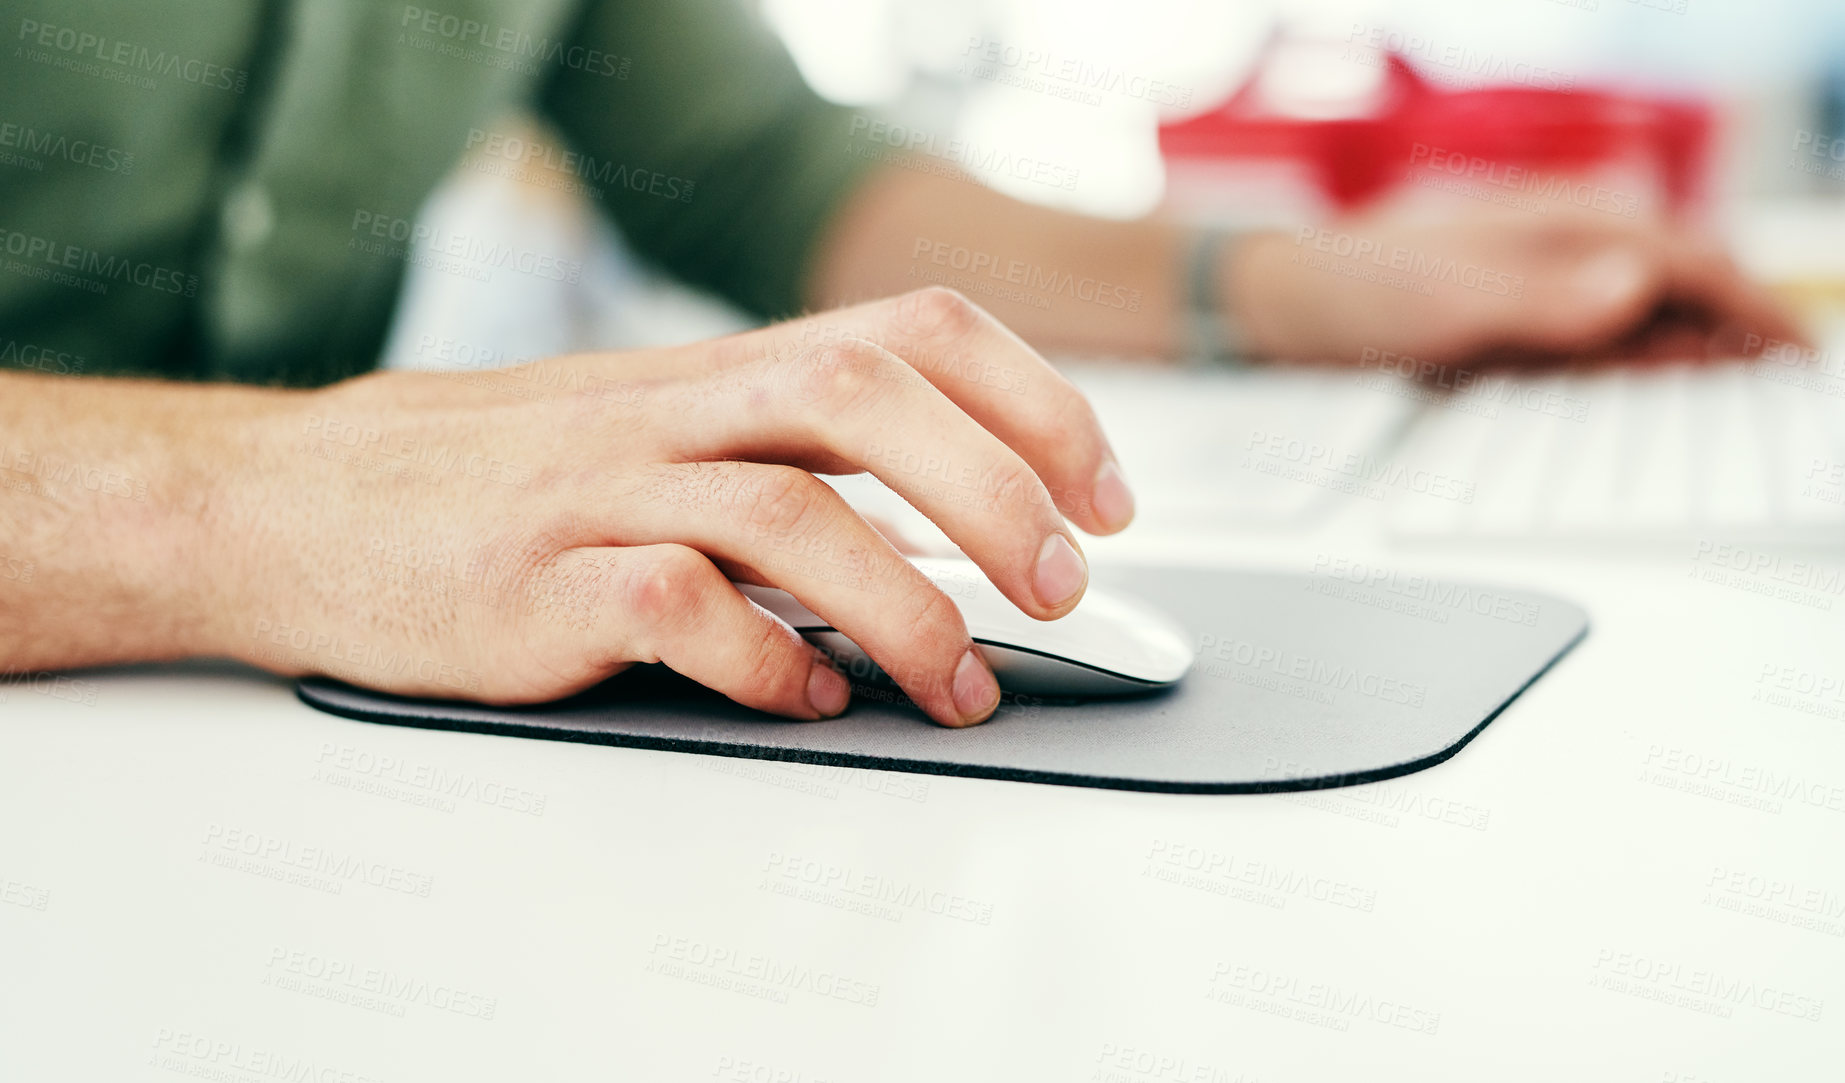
1060	574
976	692
1112	499
827	691
1611	274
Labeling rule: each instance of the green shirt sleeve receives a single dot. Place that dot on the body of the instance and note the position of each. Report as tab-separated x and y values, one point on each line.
705	145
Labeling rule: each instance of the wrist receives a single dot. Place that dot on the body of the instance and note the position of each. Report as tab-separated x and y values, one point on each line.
227	478
1226	318
1249	271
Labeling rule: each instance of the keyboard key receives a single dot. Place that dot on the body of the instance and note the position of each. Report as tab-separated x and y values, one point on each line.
1661	452
1728	454
1584	495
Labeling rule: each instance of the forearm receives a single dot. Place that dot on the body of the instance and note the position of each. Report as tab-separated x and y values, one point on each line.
107	511
1062	281
1478	289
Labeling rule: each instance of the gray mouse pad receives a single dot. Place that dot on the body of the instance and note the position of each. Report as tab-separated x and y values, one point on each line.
1302	682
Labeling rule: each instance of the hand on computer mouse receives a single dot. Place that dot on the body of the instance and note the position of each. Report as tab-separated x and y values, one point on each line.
1497	288
572	538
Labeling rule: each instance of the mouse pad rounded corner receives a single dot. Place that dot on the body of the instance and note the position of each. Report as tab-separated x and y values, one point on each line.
1301	682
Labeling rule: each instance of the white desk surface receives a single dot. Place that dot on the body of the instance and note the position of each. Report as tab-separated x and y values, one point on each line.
1635	873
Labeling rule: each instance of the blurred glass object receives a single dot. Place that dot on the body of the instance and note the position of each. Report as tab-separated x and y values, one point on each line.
1064	81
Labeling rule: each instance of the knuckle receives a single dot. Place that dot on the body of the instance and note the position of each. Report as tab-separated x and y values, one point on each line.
936	628
842	376
1012	486
937	312
934	613
1068	424
771	675
1060	418
784	498
666	588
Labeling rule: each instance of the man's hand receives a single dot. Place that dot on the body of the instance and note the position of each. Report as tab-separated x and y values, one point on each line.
1502	288
432	534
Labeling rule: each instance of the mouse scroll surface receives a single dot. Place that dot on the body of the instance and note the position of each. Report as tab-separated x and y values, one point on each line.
1109	645
1301	682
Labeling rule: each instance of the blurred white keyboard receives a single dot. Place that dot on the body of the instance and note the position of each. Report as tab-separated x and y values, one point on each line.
1641	453
1206	449
1226	448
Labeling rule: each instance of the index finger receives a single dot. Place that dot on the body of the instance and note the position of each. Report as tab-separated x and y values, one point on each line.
1685	268
1701	272
991	374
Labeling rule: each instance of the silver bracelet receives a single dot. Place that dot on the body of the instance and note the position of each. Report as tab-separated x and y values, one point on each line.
1211	337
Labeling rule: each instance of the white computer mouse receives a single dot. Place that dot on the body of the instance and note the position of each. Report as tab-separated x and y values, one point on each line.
1107	646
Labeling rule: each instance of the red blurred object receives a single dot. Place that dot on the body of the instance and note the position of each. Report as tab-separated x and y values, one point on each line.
1357	159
